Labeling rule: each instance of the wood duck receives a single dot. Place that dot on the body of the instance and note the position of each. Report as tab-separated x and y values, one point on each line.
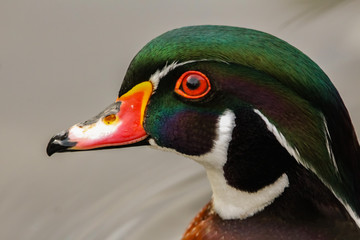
264	120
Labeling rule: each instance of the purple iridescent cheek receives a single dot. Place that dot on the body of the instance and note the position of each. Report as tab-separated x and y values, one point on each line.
191	133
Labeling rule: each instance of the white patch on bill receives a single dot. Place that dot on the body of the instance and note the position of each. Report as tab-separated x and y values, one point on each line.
94	131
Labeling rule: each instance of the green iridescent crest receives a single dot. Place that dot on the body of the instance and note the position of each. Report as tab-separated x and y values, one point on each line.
321	134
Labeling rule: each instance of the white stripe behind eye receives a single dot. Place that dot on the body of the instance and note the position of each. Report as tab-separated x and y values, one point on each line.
328	146
280	137
295	153
159	74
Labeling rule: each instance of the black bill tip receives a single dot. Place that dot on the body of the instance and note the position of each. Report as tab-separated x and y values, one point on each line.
59	143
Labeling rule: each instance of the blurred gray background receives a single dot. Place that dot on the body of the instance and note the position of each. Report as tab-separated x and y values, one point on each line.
62	61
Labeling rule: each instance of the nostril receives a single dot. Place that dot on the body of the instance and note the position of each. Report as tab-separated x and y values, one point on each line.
61	135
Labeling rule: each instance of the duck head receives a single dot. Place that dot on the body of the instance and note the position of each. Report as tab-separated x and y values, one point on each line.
243	103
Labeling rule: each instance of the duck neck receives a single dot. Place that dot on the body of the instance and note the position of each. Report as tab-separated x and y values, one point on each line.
307	198
231	203
296	195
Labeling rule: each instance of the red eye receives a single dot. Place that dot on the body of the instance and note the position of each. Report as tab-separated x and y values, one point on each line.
192	84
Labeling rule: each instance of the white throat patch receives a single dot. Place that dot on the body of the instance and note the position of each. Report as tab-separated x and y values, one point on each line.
229	202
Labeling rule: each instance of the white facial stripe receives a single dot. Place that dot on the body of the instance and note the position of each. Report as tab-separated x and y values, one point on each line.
217	157
295	153
281	139
352	213
96	130
329	148
229	202
332	157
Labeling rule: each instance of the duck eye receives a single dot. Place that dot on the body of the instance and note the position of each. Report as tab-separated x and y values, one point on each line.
193	85
109	119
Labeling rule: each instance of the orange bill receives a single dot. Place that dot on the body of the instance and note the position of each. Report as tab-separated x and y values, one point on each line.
119	124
